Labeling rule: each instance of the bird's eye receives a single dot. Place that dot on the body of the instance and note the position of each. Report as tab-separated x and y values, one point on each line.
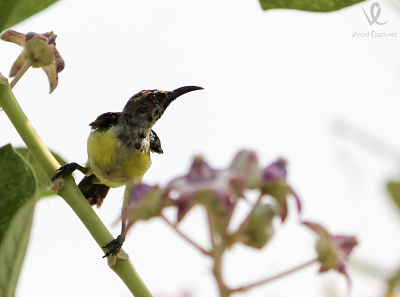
153	97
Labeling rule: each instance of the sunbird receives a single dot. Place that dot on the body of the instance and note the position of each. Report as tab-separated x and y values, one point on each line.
119	147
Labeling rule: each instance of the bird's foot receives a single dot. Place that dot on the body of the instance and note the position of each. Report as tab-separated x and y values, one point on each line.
114	245
67	169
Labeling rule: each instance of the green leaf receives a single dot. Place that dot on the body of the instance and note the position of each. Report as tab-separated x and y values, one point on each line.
15	11
17	185
13	247
394	192
44	184
308	5
17	200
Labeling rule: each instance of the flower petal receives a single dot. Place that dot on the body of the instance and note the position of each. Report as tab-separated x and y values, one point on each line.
145	202
32	36
52	75
245	163
297	198
14	37
184	203
138	192
346	243
60	64
22	58
200	171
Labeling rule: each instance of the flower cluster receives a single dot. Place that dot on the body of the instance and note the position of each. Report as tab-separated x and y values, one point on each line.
219	190
39	52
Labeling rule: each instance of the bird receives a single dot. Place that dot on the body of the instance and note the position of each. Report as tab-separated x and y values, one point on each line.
119	147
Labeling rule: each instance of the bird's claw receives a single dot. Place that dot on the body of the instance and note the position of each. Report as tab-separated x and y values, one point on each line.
115	245
68	169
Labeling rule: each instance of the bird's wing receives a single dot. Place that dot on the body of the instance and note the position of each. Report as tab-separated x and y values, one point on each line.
155	143
106	120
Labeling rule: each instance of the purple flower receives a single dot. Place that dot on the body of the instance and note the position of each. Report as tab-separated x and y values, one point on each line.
275	171
40	50
145	203
138	193
213	188
245	167
218	192
333	250
273	183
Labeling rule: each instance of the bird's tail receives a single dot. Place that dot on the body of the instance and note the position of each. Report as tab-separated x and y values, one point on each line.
94	193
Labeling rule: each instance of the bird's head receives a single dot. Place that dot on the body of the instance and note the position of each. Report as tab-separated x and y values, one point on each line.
148	106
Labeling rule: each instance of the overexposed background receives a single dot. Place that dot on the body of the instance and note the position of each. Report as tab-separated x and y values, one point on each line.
282	82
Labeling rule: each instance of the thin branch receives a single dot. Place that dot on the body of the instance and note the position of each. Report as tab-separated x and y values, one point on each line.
185	237
217	252
28	63
275	277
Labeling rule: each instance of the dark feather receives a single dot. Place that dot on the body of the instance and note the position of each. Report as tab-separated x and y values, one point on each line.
94	193
155	143
106	120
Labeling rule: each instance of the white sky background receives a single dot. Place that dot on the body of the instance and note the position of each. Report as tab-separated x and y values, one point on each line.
277	82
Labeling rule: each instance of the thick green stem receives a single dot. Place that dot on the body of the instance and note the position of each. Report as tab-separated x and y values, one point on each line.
70	191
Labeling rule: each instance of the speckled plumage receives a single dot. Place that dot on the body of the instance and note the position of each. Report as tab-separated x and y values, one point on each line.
119	147
120	143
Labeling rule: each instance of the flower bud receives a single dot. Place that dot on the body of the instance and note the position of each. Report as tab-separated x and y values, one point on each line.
275	171
333	251
245	164
257	229
273	183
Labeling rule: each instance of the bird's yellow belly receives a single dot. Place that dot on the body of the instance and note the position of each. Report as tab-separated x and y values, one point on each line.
113	163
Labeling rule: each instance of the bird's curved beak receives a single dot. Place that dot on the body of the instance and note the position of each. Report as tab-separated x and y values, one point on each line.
180	91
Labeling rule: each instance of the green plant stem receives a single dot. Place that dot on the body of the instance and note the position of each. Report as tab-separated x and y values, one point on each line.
70	191
275	277
28	63
217	253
